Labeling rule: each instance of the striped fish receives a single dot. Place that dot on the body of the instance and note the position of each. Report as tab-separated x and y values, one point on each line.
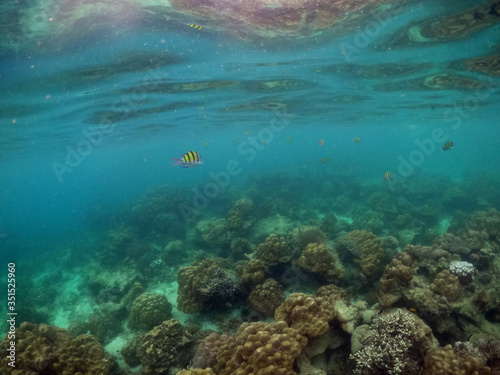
188	160
195	26
448	145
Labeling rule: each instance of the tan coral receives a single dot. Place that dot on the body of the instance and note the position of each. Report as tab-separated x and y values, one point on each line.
261	348
303	235
371	251
238	213
317	259
446	285
196	371
396	277
206	354
51	350
332	293
149	310
190	280
308	314
274	250
266	297
252	272
444	362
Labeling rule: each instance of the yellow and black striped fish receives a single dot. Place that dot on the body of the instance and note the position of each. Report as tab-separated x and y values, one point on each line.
448	145
387	175
195	26
356	140
188	160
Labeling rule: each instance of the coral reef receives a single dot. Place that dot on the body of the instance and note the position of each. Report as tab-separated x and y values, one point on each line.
266	297
149	310
317	259
370	251
217	290
132	351
214	232
43	349
332	293
444	362
396	344
309	315
238	213
166	346
273	251
206	354
304	235
195	371
397	275
260	348
252	272
174	253
447	285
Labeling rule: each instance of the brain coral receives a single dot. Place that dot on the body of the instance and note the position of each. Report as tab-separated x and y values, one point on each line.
396	277
266	297
317	259
43	349
274	250
149	310
371	251
165	346
444	362
309	315
260	348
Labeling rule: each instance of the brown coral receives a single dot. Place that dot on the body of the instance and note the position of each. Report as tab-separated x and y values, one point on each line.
195	371
447	285
149	310
266	297
332	293
302	236
274	250
317	259
396	277
190	280
260	348
43	349
164	347
252	272
309	315
206	354
371	251
238	213
444	362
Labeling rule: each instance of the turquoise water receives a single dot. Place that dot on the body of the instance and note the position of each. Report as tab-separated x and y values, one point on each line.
93	111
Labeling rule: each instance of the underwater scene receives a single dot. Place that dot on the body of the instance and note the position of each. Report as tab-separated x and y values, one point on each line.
250	187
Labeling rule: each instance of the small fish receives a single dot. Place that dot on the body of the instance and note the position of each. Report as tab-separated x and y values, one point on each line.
264	142
387	175
447	146
325	159
205	144
246	133
195	26
321	142
236	141
188	160
356	140
412	309
289	139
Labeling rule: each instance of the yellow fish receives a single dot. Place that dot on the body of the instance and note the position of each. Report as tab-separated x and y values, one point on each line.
246	133
235	141
356	140
325	159
205	144
387	175
194	26
289	139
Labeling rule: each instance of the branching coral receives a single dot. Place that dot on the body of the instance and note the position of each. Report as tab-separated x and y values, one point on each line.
317	259
309	315
396	345
396	277
260	348
149	310
43	349
165	346
266	297
274	250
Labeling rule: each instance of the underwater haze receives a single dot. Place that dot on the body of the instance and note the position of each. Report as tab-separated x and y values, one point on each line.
181	176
